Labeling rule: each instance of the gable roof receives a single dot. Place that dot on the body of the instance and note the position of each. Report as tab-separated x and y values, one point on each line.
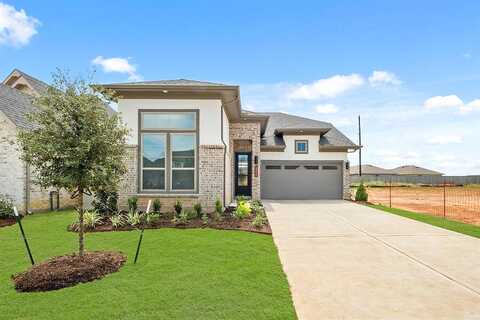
38	86
370	169
415	170
15	105
281	123
174	82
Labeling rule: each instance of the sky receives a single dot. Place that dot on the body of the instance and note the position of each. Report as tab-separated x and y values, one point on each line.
410	69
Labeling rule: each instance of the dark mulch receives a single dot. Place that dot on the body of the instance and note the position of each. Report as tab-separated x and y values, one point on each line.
7	222
67	271
226	223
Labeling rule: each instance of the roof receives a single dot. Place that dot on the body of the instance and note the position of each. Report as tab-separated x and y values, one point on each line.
15	105
175	82
415	170
37	85
370	169
281	123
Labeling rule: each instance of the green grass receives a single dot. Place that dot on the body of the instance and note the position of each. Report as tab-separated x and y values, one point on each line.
460	227
181	274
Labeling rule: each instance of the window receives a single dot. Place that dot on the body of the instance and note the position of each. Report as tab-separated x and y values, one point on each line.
273	167
311	167
168	149
291	167
329	167
301	146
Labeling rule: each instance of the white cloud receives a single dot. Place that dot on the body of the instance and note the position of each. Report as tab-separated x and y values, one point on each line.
445	139
16	28
471	106
327	88
120	65
326	108
379	78
440	102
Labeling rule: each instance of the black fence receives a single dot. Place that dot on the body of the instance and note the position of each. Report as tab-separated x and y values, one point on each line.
420	180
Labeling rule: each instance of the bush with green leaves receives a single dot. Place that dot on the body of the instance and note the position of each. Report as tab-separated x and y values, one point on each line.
105	202
197	207
134	219
243	210
157	205
205	218
132	204
91	218
219	207
191	214
178	207
6	208
242	198
259	221
181	219
117	221
151	217
361	194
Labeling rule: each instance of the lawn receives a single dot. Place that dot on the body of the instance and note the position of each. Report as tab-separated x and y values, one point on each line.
459	227
181	274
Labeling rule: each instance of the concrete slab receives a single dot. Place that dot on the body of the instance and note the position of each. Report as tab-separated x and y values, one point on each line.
346	261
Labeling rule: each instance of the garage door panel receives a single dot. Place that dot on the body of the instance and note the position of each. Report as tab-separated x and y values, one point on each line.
301	180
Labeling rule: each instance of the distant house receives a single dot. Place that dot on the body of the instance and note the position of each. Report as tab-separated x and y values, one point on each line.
411	170
16	181
371	170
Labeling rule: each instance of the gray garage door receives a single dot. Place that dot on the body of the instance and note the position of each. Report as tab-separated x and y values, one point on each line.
301	180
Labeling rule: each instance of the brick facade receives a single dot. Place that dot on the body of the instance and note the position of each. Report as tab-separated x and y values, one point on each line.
239	134
346	182
210	182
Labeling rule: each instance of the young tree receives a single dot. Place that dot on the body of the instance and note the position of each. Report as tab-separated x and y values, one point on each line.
75	144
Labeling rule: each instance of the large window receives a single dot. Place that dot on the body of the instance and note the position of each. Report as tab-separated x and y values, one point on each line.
168	148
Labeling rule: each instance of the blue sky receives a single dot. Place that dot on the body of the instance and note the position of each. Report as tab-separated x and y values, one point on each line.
317	59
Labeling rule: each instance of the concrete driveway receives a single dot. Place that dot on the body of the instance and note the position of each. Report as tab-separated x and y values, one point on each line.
347	261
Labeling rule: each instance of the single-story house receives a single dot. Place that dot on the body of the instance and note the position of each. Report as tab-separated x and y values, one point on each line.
16	181
191	141
411	170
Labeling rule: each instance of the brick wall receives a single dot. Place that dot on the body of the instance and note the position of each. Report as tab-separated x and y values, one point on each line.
346	182
246	131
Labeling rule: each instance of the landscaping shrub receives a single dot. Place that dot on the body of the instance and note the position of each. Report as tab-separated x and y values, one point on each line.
151	217
181	219
117	221
91	219
205	218
218	207
178	207
105	202
243	210
157	205
242	198
198	209
361	194
133	218
133	204
6	207
259	221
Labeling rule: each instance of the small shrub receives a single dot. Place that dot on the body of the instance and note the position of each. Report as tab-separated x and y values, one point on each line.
105	202
242	198
178	207
151	217
361	194
181	219
198	209
191	214
117	221
256	206
259	221
133	204
218	207
134	218
157	205
6	207
243	210
91	219
205	218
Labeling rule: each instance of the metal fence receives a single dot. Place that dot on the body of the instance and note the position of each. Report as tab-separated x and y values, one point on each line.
446	199
427	180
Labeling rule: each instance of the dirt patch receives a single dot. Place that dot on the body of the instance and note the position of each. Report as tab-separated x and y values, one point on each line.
454	202
67	271
7	222
225	223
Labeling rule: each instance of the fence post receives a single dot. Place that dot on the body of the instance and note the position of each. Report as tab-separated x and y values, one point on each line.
444	199
390	192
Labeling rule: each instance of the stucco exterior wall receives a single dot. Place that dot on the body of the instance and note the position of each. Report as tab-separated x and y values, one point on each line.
313	151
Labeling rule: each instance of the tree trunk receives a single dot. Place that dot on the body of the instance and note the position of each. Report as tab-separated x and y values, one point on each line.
81	245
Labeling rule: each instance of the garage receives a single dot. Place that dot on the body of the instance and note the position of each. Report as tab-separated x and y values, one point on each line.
301	180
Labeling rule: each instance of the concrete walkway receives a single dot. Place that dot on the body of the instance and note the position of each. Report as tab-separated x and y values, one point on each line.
347	261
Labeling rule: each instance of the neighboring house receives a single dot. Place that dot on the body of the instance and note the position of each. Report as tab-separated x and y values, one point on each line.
16	93
411	170
191	141
408	170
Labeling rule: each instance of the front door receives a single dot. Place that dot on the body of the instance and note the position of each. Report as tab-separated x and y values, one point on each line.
243	174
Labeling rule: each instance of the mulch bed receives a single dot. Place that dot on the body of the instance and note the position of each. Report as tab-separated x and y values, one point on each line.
227	223
69	270
7	222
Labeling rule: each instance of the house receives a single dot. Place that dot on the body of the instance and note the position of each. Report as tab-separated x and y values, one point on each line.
411	170
191	141
407	170
16	181
370	170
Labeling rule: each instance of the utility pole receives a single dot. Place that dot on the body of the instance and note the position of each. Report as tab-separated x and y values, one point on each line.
360	145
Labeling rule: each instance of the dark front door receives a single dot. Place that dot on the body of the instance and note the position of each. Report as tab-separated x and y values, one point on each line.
243	174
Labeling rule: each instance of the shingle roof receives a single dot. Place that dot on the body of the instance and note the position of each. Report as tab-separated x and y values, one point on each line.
175	82
370	169
415	170
38	85
15	105
277	121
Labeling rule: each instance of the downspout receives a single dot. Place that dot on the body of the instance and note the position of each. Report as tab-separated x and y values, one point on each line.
224	157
